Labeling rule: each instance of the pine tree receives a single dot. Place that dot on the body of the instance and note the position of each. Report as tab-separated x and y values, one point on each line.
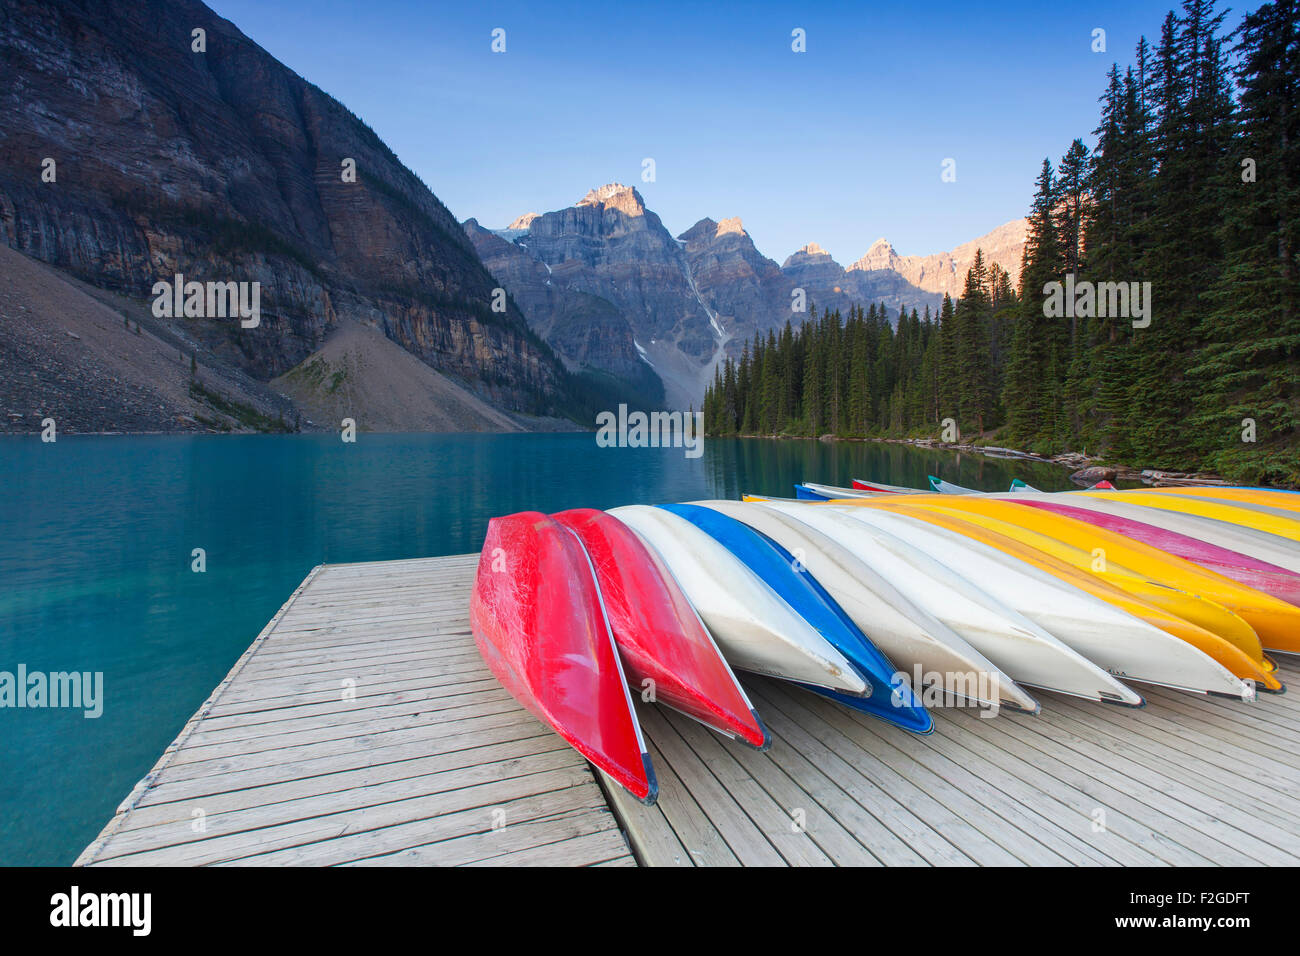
1248	370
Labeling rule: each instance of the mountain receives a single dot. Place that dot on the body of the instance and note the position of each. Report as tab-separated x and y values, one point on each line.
946	271
127	157
610	289
604	283
746	291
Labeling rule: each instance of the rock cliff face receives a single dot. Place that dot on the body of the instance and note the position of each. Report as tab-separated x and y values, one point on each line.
609	245
127	156
746	291
946	271
586	331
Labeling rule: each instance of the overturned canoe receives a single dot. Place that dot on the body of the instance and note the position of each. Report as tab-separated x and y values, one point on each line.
939	486
754	628
1240	567
860	484
1130	638
833	491
892	698
537	617
1018	645
805	493
1281	523
1239	614
913	639
661	638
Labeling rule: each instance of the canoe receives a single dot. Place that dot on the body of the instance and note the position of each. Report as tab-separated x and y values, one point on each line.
539	623
665	648
892	698
1018	646
1130	638
909	636
1277	497
1109	636
1018	485
1102	485
1266	547
832	491
939	486
1151	573
879	486
1242	568
1287	528
755	630
804	493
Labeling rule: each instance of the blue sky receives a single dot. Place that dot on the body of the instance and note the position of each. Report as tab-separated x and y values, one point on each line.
839	145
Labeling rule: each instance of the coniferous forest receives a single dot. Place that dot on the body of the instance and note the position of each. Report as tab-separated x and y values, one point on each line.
1157	319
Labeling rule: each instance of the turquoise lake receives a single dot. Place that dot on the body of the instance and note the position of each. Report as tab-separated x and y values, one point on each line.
97	533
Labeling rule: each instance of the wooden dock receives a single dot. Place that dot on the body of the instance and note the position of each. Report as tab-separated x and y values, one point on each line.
361	727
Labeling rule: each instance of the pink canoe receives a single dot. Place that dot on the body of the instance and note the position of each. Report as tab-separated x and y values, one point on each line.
1242	568
660	636
538	620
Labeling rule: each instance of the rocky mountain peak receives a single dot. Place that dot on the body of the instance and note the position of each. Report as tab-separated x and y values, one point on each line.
616	196
731	225
810	255
524	221
881	255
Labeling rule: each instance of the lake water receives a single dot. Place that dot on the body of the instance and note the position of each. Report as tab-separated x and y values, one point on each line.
97	536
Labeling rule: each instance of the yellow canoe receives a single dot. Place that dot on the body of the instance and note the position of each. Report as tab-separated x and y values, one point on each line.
1286	500
1220	509
1229	655
1275	622
1107	555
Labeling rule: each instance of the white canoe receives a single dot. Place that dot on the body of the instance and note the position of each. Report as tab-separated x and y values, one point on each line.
834	491
754	628
1125	645
1017	645
905	633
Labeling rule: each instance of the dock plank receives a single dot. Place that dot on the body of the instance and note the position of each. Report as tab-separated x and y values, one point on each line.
361	728
362	725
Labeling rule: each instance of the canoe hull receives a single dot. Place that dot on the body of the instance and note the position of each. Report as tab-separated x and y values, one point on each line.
666	649
754	629
909	637
539	623
787	577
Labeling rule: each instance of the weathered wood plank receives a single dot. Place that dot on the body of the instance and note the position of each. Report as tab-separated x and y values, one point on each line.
363	725
362	728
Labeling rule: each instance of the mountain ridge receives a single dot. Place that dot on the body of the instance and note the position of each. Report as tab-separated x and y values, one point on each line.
225	165
610	245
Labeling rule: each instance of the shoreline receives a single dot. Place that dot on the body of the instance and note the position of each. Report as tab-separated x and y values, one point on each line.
1087	468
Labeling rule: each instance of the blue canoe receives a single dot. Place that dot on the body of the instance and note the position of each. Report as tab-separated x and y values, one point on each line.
892	699
804	493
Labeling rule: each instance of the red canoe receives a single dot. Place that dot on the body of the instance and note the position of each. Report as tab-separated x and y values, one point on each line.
660	636
861	485
537	617
1242	568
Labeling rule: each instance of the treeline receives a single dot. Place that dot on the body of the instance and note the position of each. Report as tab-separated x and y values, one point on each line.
867	375
1157	320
